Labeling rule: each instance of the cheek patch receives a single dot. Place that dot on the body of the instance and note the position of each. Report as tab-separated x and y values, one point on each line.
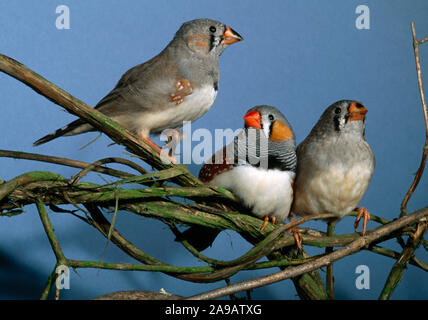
198	41
280	132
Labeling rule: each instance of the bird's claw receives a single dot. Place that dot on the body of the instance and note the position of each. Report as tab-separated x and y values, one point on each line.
266	221
362	213
297	237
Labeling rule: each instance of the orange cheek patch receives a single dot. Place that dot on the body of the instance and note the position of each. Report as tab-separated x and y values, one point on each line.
356	113
198	40
280	132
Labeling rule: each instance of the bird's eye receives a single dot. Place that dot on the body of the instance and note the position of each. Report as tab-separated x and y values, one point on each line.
271	117
213	29
337	110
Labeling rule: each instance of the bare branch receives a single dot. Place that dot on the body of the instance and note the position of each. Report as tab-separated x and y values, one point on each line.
413	242
421	168
63	161
349	249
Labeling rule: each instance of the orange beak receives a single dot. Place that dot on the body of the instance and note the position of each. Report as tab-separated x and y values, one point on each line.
252	119
230	36
356	111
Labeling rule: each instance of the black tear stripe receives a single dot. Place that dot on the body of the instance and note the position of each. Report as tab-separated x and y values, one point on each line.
215	85
270	127
212	41
336	120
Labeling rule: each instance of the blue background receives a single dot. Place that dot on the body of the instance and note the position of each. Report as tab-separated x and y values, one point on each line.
300	56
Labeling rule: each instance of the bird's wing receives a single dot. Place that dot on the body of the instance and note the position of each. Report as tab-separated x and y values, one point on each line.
221	161
150	85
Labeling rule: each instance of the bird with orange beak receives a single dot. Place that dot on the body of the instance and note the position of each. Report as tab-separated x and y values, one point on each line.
258	167
180	84
335	164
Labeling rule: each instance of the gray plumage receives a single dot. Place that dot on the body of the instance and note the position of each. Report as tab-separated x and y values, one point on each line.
335	163
254	147
142	99
265	187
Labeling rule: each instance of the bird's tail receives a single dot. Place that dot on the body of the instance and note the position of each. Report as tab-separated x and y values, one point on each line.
75	127
199	237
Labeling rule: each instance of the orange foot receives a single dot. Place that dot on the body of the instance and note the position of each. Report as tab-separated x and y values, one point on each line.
164	157
362	212
296	234
267	221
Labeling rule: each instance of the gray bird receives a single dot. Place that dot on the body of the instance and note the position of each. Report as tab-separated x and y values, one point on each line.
258	167
335	164
179	84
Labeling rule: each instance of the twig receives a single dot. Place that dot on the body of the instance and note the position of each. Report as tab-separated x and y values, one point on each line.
396	272
318	263
413	242
50	232
8	187
64	162
421	168
49	283
395	255
98	163
329	276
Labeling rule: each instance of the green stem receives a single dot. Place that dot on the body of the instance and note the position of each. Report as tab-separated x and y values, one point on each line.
330	276
35	176
50	233
49	283
400	265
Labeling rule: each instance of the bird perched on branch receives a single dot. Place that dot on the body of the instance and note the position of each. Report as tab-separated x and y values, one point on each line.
335	164
258	167
179	84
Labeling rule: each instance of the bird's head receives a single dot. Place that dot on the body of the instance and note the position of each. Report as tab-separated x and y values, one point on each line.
276	129
271	121
343	116
207	37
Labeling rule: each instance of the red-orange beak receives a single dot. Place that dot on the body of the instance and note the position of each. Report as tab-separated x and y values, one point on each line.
252	119
356	111
230	36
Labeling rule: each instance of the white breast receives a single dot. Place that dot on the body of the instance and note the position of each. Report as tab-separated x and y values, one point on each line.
266	192
192	108
337	190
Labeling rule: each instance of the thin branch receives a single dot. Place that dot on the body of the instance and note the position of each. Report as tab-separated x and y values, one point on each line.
51	279
35	176
423	40
64	162
396	272
395	255
421	168
329	276
50	232
98	163
413	242
349	249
